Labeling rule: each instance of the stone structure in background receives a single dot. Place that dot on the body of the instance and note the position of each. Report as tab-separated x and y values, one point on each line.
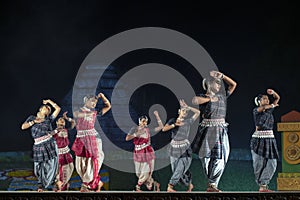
289	179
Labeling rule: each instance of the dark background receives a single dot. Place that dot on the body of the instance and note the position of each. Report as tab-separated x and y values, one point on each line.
43	43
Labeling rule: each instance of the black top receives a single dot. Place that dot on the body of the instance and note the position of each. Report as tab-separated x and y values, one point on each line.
181	132
215	110
264	120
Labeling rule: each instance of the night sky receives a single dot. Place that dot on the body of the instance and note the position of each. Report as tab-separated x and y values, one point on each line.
43	44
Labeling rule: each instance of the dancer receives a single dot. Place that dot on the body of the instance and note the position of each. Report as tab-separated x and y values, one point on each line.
45	156
211	142
263	144
65	161
180	149
88	144
144	153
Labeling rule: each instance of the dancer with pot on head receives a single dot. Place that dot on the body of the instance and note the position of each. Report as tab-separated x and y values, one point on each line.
143	155
263	143
180	149
88	144
211	142
65	160
45	155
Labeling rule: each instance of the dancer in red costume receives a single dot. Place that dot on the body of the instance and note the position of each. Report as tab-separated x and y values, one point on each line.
65	160
88	144
144	153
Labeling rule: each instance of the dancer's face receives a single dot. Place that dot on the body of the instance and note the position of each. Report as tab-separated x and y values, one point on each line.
264	100
45	110
61	122
91	103
215	86
183	113
143	122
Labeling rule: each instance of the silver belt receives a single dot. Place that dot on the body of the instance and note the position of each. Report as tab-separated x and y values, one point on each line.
138	147
180	143
63	150
42	139
83	133
213	122
263	134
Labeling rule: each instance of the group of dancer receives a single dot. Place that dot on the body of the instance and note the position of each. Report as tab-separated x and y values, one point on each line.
53	163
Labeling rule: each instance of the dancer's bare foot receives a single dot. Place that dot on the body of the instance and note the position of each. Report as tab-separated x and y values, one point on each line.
156	186
264	188
58	186
190	188
138	188
84	188
99	186
212	188
170	188
149	186
65	187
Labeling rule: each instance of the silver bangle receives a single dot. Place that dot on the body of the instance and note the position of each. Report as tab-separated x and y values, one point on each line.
69	119
272	105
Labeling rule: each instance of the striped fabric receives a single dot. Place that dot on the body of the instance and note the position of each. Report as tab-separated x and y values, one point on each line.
46	150
265	147
264	120
209	141
85	144
214	110
145	154
180	145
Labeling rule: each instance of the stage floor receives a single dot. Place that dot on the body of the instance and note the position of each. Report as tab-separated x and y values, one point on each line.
126	195
238	176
